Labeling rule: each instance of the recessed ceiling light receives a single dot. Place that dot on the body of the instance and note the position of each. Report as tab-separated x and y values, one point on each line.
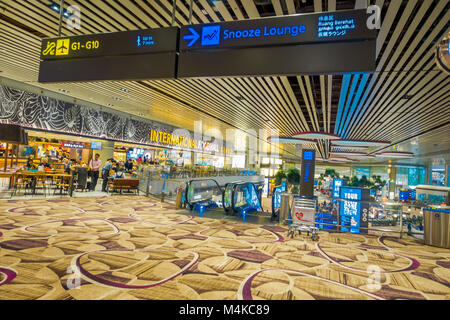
117	98
109	105
124	90
64	90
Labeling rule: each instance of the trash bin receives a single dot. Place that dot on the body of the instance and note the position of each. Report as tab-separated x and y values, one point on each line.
284	208
437	227
179	199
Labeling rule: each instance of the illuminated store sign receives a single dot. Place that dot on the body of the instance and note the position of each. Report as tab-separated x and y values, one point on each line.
307	173
296	44
169	139
73	145
353	212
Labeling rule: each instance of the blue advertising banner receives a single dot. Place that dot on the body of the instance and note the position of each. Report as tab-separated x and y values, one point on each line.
353	212
337	184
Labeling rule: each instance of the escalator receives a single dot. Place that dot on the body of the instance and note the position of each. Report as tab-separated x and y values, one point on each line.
235	199
204	195
245	199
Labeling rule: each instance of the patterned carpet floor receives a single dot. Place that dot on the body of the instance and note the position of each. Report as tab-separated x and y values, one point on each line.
130	247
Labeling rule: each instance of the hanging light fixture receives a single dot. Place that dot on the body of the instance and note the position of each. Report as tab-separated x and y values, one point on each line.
361	143
395	154
284	139
316	135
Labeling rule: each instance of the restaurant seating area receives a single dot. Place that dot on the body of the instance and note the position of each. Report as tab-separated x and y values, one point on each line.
32	182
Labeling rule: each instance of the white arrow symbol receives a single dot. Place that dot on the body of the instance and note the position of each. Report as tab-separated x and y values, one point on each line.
193	37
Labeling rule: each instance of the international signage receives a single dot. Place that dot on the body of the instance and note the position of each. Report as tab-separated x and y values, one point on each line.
129	55
353	212
172	140
307	173
336	42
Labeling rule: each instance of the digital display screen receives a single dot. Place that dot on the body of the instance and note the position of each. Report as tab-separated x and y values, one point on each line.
407	194
96	145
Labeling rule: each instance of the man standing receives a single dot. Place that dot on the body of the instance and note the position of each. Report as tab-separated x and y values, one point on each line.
94	166
105	173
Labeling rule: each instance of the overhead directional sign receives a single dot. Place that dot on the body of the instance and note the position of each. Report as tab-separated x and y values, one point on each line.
335	42
110	44
193	37
129	55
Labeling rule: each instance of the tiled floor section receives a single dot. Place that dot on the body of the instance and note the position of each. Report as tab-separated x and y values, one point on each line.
129	247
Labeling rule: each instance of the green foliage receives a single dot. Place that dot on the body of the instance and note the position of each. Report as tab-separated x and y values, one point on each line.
331	173
376	182
354	182
279	176
293	175
295	190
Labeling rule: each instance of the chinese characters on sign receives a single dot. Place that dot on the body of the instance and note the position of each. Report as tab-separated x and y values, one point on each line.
330	27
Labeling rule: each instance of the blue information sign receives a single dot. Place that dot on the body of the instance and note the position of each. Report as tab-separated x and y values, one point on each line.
307	174
292	29
313	43
353	212
337	184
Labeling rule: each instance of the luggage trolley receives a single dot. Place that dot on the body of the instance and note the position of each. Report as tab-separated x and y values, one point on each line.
303	216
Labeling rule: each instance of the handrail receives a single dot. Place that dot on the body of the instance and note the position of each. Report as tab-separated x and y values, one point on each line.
188	184
233	205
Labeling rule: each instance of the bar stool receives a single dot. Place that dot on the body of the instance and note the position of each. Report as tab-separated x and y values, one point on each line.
62	182
21	182
41	182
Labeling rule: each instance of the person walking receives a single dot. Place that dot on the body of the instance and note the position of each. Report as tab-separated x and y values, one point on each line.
94	166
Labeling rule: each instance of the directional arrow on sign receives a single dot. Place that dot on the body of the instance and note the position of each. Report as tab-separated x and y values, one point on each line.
194	36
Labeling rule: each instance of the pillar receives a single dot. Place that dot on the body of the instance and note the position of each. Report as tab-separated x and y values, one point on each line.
392	179
446	173
106	152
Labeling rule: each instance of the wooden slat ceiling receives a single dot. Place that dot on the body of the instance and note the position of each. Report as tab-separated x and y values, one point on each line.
355	106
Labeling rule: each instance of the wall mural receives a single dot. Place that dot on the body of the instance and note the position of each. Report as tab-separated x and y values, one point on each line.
34	111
